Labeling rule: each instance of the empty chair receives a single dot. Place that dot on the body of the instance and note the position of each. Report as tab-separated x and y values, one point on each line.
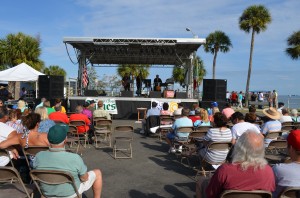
103	129
52	177
123	141
246	194
7	175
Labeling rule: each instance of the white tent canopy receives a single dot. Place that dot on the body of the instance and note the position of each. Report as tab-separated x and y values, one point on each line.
21	72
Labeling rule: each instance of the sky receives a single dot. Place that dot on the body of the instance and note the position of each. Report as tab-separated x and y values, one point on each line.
272	68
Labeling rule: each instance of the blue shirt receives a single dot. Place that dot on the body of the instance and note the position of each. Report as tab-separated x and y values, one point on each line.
153	111
182	122
45	125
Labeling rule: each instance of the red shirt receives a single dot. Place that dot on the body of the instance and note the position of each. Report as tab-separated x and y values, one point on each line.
59	116
232	177
194	118
79	116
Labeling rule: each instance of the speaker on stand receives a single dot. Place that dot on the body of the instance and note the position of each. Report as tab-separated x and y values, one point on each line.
51	87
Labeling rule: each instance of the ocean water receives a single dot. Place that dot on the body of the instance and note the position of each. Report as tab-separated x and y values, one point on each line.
290	101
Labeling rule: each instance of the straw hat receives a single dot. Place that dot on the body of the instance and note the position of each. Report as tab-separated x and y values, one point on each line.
272	113
2	87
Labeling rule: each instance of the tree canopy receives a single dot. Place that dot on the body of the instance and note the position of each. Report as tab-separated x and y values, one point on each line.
55	70
18	48
293	43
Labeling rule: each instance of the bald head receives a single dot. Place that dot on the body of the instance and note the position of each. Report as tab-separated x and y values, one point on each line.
255	140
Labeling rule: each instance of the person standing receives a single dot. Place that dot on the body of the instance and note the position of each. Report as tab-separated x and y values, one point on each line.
23	92
275	99
157	81
240	100
260	99
139	84
126	82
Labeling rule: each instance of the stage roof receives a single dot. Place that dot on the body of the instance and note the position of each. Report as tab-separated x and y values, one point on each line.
155	51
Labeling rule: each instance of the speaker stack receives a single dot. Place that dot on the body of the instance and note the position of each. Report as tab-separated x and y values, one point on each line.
214	90
51	87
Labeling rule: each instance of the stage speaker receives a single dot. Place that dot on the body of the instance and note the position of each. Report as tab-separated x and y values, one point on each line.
51	87
155	94
214	90
90	93
126	94
181	95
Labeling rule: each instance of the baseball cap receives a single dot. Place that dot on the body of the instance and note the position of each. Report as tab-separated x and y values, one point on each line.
294	139
57	133
214	104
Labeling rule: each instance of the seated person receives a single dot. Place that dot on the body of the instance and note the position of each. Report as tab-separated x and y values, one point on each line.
86	111
57	158
271	123
79	116
248	171
45	123
285	116
165	109
228	111
179	109
251	118
288	174
154	111
58	116
100	112
22	105
47	105
204	121
184	121
295	116
58	102
196	116
15	120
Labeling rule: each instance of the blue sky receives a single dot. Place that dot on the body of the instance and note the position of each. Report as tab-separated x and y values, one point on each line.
272	68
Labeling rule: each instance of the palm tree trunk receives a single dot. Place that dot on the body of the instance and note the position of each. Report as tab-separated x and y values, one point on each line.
214	64
249	69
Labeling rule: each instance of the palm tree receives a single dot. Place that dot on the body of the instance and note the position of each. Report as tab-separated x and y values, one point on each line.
254	19
215	42
133	70
18	48
55	70
293	49
179	73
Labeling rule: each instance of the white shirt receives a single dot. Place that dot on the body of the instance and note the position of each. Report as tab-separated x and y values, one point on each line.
286	119
4	133
238	129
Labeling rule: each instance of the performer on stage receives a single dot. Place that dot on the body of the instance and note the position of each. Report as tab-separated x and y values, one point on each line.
139	84
126	82
157	82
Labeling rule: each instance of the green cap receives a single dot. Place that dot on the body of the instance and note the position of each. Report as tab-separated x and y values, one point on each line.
57	133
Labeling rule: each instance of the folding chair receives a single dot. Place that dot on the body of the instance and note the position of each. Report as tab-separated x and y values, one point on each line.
73	138
103	129
277	146
212	147
123	135
248	194
5	153
291	192
32	151
273	135
9	174
287	126
164	120
84	135
53	177
151	121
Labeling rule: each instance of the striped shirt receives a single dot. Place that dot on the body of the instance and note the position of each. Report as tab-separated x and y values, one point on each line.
216	135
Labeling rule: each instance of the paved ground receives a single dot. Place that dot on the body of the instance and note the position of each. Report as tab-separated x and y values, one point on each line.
152	172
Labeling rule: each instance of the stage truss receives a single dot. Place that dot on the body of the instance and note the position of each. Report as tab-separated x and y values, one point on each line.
155	51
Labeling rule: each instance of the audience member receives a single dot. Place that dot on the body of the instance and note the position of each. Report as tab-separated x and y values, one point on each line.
179	109
154	111
23	92
285	116
240	100
196	116
1	103
184	121
271	122
165	109
86	111
22	105
45	123
57	158
240	126
204	119
195	106
6	132
58	116
220	133
14	120
100	112
295	116
248	171
251	118
79	116
58	102
47	105
280	107
227	111
42	103
288	174
31	136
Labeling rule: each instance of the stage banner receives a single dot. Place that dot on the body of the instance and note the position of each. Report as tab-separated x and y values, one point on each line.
173	105
109	105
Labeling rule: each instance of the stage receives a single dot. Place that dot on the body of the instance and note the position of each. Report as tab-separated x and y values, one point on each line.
127	106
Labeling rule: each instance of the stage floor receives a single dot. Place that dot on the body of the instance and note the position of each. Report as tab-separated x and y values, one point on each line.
127	106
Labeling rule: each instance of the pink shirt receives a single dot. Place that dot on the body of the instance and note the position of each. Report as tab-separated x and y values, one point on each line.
228	112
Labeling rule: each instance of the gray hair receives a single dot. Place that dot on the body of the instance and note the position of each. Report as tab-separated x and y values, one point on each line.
249	151
294	112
